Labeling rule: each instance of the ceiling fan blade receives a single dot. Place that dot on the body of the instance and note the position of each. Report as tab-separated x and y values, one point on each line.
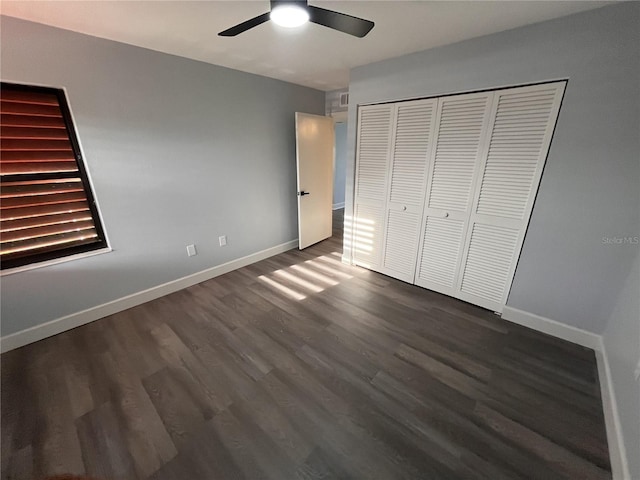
355	26
244	26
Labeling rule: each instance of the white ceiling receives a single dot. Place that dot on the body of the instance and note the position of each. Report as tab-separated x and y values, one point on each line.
310	55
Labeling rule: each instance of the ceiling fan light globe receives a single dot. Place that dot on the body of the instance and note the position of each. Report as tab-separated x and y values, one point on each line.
289	16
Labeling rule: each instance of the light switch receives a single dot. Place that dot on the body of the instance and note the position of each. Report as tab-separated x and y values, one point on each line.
191	250
223	240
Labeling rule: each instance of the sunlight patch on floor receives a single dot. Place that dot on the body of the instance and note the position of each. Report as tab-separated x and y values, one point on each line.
330	260
315	275
308	276
299	281
286	290
328	269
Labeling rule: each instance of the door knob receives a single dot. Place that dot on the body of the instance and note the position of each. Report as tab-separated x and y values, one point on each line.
303	193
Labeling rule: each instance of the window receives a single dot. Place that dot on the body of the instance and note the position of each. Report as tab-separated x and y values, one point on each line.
47	208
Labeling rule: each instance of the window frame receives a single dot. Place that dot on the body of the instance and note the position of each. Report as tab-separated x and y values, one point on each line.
101	244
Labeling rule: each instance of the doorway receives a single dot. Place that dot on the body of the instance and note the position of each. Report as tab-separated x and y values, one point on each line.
340	166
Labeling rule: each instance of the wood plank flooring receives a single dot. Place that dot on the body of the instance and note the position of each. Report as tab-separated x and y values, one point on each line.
301	367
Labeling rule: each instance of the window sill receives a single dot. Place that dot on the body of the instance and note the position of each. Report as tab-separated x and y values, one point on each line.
33	266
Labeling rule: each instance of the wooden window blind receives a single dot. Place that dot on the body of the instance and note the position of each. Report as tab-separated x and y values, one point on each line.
47	208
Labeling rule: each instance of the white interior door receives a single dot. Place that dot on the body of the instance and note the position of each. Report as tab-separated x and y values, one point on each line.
315	146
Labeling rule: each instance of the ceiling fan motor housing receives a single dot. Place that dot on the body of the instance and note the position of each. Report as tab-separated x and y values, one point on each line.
297	3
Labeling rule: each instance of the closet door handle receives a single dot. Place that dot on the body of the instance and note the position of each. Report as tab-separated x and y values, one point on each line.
446	215
404	209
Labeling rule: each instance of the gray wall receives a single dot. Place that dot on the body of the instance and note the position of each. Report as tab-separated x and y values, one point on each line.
179	152
340	167
589	189
622	343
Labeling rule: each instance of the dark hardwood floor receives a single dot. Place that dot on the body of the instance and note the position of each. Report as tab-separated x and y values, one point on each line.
301	367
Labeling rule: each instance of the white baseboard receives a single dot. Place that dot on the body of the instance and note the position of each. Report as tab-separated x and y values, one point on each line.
338	206
617	450
59	325
617	453
552	327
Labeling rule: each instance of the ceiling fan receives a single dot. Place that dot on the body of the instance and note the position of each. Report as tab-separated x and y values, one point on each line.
293	13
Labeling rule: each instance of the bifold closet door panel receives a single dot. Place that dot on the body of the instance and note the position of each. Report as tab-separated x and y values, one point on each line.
523	120
372	168
461	130
412	138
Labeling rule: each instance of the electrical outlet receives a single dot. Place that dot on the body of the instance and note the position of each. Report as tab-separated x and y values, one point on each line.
637	374
191	250
223	240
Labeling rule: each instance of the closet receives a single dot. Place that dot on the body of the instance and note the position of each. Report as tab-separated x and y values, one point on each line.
445	187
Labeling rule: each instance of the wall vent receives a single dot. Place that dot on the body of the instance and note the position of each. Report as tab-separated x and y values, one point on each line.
344	99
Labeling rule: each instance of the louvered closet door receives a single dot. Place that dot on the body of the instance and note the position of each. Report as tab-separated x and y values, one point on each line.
462	126
374	138
414	124
523	120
